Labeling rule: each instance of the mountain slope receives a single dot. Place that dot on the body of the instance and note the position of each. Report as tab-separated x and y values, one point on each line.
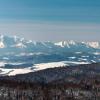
18	53
66	74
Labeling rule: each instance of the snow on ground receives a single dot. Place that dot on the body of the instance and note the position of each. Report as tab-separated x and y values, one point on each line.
4	71
19	71
96	53
43	66
11	72
37	67
71	57
75	62
2	64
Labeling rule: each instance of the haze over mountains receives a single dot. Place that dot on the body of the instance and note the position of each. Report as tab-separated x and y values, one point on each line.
18	56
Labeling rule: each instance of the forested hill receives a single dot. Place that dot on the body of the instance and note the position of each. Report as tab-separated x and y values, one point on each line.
66	74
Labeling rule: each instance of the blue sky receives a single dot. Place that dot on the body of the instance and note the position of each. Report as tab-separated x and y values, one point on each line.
51	20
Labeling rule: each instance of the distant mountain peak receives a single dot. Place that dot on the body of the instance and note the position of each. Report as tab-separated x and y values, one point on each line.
93	44
15	41
65	43
2	45
19	54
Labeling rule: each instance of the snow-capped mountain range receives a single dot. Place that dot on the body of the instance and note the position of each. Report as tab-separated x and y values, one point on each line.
18	55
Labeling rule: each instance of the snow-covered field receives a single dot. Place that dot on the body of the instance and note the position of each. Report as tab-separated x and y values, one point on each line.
43	66
11	72
37	67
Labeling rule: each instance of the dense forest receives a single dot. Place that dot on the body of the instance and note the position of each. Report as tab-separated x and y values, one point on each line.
81	82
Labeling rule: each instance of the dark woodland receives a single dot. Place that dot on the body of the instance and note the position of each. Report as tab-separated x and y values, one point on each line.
81	82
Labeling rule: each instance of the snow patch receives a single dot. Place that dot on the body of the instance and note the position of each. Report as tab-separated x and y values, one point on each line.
2	45
93	44
65	43
2	64
96	53
71	57
43	66
19	71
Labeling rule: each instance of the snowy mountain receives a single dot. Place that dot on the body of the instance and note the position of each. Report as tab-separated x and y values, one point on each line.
18	55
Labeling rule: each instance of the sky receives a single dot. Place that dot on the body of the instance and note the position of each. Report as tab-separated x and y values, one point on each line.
51	20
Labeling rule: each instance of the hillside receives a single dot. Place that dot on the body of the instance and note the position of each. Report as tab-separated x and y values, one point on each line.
20	56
